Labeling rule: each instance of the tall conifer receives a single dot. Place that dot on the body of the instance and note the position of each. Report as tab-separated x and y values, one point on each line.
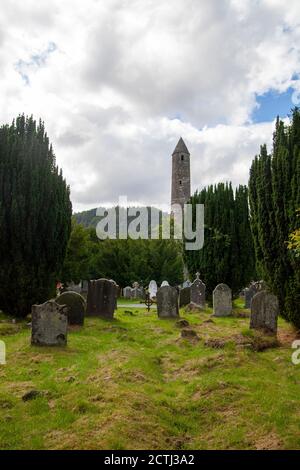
274	200
228	253
35	216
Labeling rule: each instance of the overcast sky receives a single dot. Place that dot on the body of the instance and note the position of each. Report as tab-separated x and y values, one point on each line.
117	82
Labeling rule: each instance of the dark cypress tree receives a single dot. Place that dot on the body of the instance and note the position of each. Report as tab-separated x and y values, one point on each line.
228	253
243	248
35	216
274	200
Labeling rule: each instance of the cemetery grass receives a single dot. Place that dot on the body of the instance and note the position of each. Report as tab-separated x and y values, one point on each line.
133	383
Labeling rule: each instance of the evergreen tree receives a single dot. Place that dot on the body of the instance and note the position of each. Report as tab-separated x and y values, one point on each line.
127	261
76	264
274	200
227	255
35	216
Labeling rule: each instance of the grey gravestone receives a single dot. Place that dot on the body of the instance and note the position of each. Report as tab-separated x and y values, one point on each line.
84	287
184	296
186	284
152	289
72	287
127	292
49	324
222	301
198	293
101	298
164	283
76	307
167	302
242	293
264	312
249	294
142	293
117	292
138	293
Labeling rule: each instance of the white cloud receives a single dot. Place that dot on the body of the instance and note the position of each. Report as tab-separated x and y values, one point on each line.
126	78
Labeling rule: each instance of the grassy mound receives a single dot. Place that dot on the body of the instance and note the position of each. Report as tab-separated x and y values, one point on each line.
138	383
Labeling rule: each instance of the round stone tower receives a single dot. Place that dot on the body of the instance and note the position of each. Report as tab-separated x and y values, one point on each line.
181	178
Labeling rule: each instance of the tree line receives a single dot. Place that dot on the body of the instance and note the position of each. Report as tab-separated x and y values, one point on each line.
124	261
250	232
228	252
274	188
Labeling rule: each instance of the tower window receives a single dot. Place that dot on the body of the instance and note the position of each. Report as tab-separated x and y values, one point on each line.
182	158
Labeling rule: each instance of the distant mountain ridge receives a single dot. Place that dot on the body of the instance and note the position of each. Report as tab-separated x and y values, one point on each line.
89	218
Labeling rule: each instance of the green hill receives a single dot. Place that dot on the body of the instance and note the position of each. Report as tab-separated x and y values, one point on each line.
89	218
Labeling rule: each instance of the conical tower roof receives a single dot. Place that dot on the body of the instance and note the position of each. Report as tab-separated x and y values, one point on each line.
181	147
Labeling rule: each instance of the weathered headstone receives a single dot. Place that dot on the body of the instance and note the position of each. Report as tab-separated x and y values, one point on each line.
167	302
2	353
184	296
137	293
198	292
127	292
152	289
117	291
142	293
222	301
186	283
264	312
164	283
249	294
84	287
101	298
72	287
242	293
49	324
133	293
76	307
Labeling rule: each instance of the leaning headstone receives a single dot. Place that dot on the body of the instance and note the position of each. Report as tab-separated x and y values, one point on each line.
152	289
127	292
222	301
264	312
101	298
198	292
184	296
49	324
164	283
167	302
76	307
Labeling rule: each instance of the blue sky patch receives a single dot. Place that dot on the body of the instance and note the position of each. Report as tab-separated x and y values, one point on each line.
272	104
24	68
